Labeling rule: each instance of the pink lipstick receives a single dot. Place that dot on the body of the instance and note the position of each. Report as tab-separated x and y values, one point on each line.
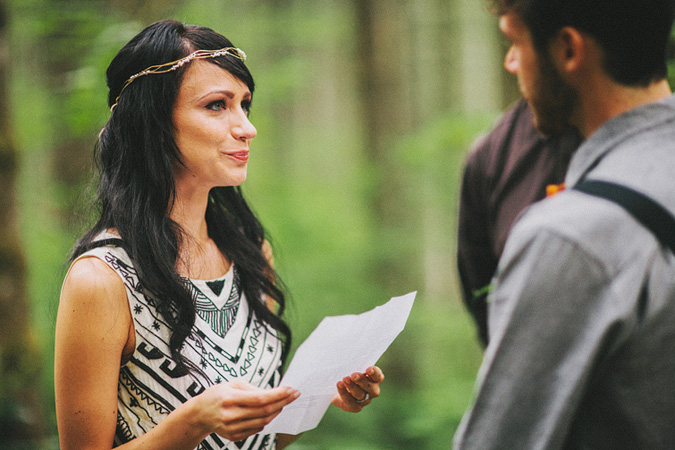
241	156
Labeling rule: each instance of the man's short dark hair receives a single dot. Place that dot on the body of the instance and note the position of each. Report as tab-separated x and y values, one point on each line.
633	34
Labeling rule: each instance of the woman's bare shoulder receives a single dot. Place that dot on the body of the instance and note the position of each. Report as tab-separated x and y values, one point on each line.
92	271
92	281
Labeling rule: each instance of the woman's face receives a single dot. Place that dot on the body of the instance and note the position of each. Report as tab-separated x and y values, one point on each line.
213	132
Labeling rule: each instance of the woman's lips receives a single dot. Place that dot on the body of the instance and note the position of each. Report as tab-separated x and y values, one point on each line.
241	156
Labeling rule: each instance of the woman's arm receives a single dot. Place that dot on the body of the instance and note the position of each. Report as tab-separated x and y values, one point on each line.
94	332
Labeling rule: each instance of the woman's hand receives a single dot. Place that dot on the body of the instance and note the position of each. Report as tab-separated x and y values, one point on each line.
358	389
237	410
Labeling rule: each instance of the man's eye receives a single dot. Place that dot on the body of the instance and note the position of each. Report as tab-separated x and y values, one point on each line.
216	106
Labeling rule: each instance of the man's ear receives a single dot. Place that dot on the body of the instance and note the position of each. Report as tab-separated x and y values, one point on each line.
569	50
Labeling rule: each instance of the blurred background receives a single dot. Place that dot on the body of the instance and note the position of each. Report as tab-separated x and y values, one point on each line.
365	110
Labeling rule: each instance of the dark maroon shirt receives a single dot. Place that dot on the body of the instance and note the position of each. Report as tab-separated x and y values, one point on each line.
506	171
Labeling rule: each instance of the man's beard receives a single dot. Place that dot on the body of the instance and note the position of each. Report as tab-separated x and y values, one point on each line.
553	100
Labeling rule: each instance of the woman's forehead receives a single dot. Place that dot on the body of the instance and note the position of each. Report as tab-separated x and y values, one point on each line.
204	76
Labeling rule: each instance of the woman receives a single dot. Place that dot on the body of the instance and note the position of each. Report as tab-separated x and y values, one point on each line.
169	332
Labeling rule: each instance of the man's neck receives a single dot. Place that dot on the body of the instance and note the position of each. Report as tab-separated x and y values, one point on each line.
599	105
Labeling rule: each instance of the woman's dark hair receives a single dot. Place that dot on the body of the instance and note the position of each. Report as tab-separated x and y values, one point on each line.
633	34
135	155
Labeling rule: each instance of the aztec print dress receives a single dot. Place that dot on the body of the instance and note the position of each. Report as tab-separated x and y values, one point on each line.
232	344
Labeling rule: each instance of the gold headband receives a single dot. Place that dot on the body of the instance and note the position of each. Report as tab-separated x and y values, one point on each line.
173	65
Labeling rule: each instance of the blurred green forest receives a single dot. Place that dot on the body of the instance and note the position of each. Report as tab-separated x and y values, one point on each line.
365	110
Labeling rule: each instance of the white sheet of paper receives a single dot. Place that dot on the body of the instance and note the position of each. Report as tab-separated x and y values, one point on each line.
338	347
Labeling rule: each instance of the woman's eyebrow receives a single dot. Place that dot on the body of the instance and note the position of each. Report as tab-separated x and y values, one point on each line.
225	92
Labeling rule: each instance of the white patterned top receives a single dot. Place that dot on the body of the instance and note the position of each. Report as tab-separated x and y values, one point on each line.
228	343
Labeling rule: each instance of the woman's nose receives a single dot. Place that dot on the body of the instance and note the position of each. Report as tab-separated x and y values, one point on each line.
244	129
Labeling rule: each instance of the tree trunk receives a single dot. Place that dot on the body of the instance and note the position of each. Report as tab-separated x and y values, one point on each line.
382	52
21	416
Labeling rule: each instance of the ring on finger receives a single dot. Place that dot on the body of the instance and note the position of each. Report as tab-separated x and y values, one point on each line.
364	399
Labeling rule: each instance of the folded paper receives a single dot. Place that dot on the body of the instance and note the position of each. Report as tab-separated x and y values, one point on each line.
338	347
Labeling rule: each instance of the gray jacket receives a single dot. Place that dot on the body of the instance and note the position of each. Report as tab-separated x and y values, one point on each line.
582	319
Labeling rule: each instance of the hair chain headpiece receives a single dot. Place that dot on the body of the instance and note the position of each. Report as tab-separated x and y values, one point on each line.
173	65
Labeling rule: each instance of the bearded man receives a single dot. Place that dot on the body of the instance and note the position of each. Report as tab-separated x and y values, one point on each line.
582	315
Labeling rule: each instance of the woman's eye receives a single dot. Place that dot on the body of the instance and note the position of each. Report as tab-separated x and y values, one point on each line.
216	106
246	106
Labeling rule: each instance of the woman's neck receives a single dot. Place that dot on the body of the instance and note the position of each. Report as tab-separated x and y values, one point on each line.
189	211
199	256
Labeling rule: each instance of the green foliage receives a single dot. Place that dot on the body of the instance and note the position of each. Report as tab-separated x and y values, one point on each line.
310	181
432	365
430	372
671	60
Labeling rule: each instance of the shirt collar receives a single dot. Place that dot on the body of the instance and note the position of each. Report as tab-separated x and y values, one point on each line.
615	131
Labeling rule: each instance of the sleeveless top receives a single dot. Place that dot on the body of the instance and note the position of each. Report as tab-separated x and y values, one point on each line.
228	343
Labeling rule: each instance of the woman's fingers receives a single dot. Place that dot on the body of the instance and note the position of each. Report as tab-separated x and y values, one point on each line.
375	374
360	384
271	410
245	409
345	399
354	386
359	389
241	429
245	395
